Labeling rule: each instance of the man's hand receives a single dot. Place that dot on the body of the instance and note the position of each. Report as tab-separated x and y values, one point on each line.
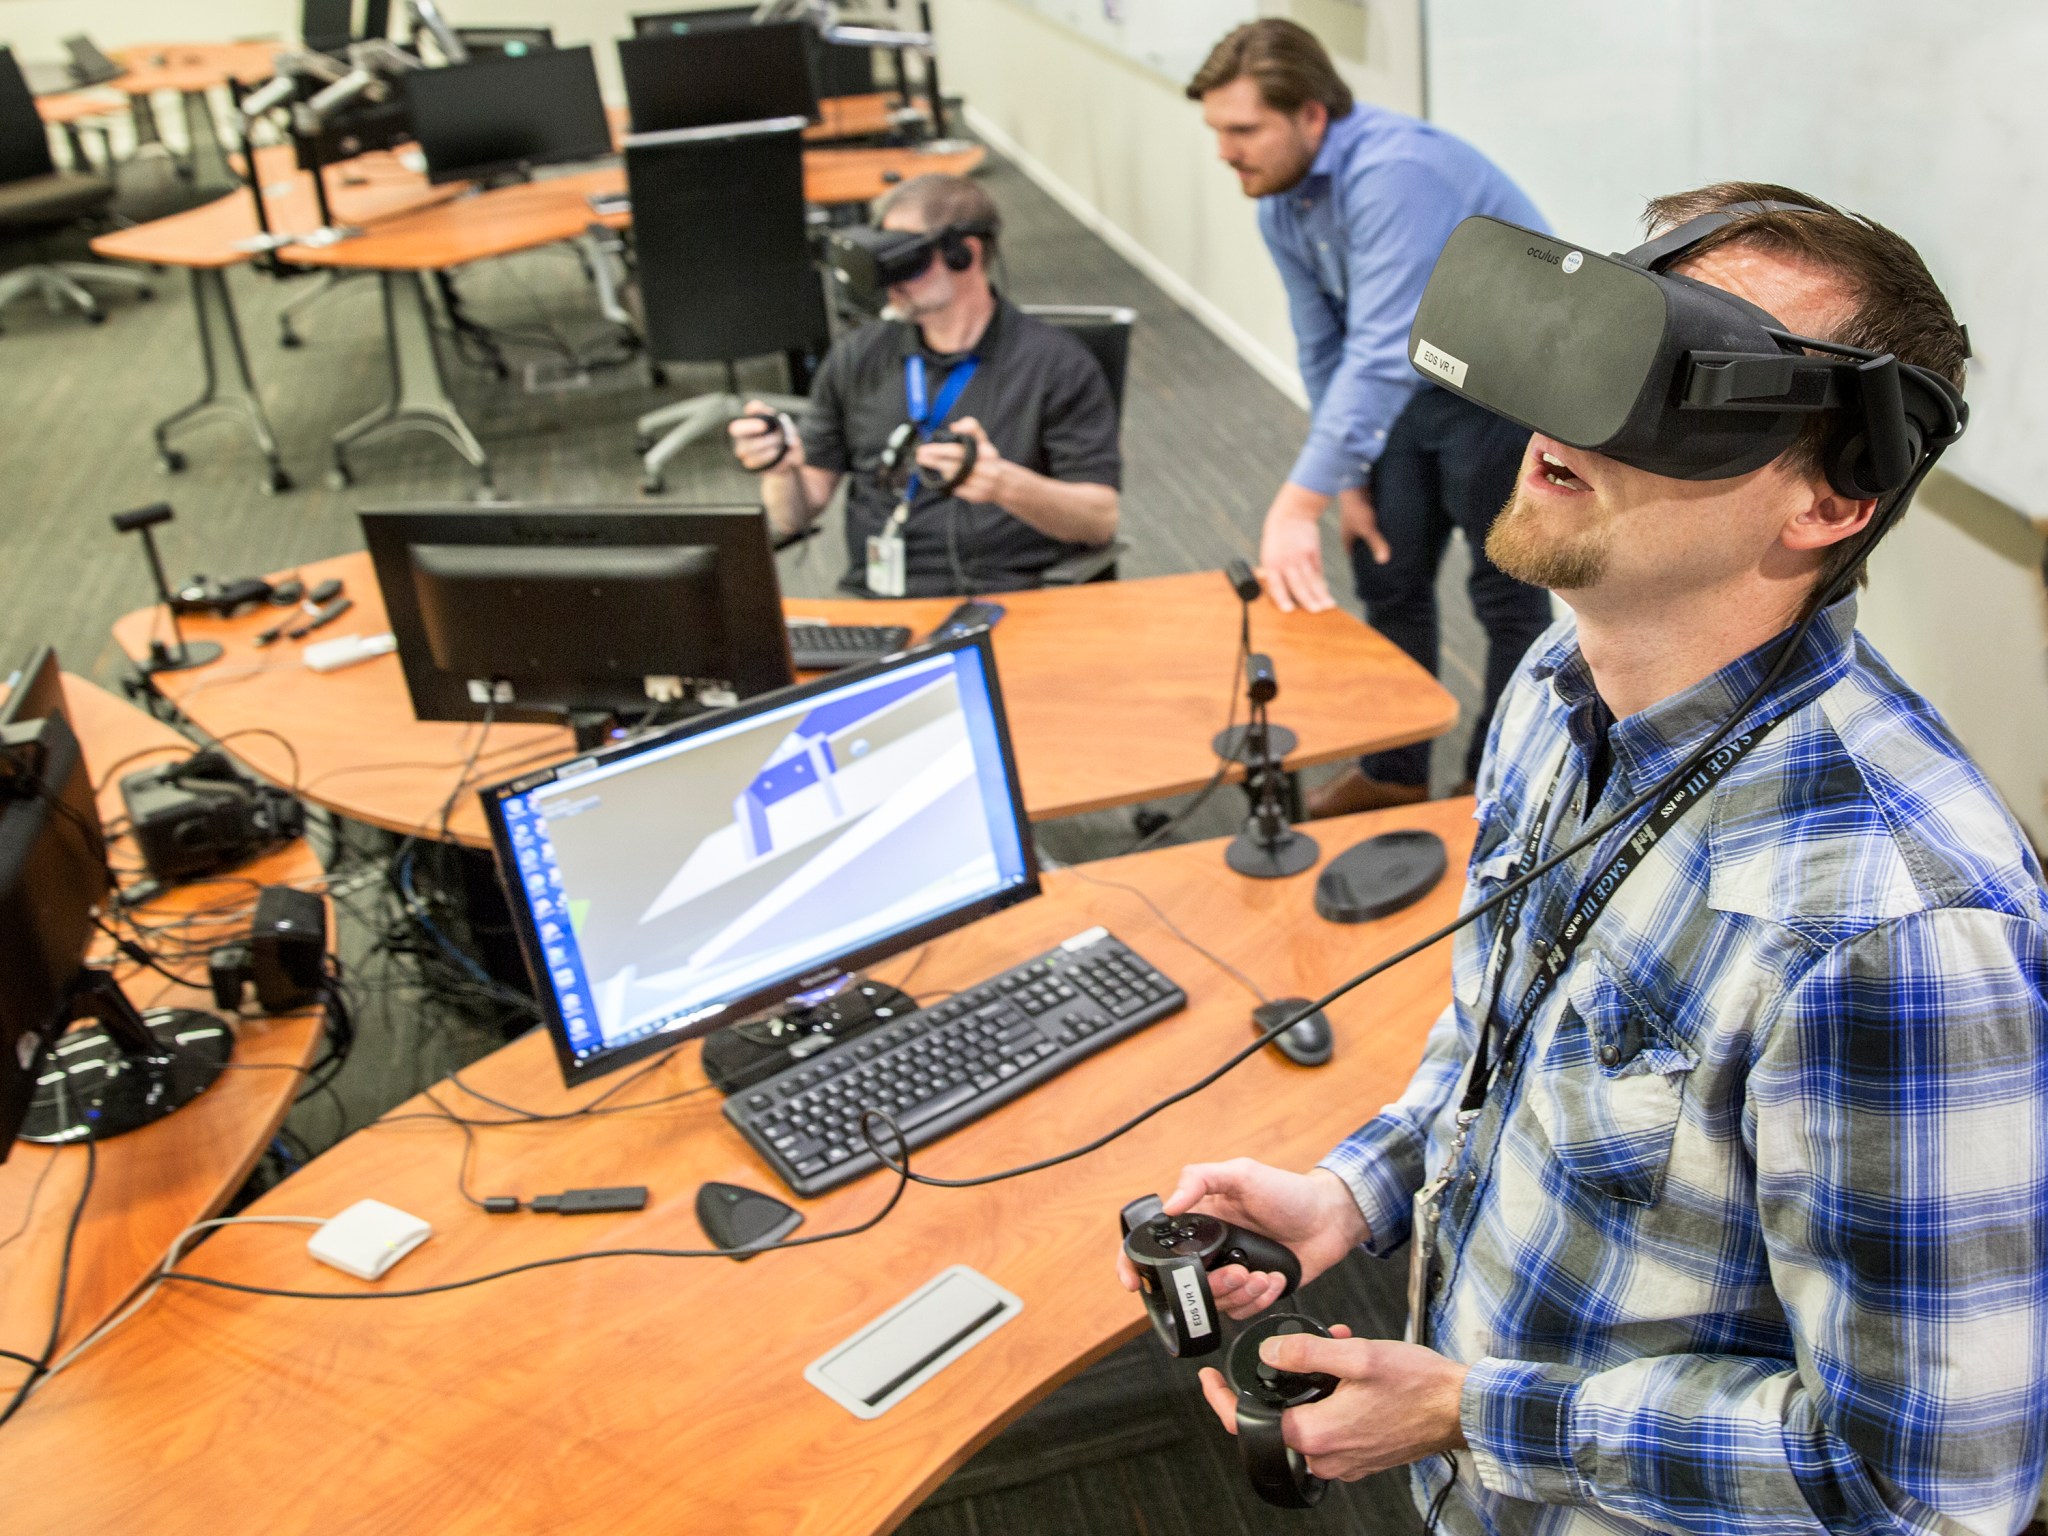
1361	524
755	443
1291	551
1311	1213
1394	1403
987	482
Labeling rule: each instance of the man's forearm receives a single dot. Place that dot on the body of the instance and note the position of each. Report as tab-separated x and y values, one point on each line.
796	497
1072	511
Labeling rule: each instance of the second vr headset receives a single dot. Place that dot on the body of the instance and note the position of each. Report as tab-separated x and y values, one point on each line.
1665	373
869	262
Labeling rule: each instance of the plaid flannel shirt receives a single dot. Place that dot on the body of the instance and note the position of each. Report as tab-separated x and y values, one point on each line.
1749	1236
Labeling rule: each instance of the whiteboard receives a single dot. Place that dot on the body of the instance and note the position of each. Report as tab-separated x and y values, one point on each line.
1172	37
1932	119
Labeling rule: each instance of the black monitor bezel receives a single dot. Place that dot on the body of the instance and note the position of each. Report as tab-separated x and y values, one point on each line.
679	42
575	1071
740	531
40	678
417	80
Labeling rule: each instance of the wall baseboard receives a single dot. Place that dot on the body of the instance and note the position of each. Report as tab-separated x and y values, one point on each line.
1277	371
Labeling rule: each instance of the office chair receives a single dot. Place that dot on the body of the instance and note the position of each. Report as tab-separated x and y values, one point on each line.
1105	330
724	264
38	201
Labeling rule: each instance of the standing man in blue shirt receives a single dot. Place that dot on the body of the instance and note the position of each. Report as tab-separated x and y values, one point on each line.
1355	203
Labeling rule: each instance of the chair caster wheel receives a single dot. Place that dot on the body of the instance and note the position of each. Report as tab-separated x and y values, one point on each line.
641	444
171	462
653	485
291	341
276	481
95	317
145	294
658	377
339	479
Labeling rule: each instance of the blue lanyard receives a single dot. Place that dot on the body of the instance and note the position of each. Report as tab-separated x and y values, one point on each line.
949	396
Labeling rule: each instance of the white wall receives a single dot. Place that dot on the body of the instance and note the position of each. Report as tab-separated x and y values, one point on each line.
1126	153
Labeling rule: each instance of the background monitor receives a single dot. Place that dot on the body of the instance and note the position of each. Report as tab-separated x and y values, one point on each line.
714	76
677	884
673	23
503	115
533	613
508	42
36	691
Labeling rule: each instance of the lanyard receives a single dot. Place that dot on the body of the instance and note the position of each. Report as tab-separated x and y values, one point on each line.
949	396
1555	957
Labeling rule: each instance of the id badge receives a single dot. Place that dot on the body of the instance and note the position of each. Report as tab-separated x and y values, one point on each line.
885	564
1422	1256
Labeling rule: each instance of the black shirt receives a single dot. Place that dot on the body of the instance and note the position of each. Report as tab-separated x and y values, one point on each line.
1038	393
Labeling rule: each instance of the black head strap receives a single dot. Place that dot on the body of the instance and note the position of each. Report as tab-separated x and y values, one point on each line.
1669	247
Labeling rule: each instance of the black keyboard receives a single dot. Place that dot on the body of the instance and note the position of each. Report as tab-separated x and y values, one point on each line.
947	1065
828	647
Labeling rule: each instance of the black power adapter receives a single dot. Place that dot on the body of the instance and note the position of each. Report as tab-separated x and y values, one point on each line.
285	954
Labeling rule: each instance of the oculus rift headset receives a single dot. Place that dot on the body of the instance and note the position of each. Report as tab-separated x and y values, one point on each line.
870	261
1663	372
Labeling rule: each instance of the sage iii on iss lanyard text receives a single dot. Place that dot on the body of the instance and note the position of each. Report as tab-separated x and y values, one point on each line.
887	571
1551	963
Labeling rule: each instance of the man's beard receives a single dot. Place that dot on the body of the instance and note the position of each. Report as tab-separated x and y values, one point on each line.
1519	546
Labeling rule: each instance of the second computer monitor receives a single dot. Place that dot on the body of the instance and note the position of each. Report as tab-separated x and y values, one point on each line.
717	75
497	116
537	613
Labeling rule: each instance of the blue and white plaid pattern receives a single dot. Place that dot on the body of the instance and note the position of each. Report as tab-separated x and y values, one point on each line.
1752	1235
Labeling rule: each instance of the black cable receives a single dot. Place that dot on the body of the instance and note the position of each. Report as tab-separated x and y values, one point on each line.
42	1365
1436	1505
1223	764
895	1195
1080	872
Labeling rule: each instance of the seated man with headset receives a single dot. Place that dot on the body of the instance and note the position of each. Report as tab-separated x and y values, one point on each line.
1723	1181
1019	405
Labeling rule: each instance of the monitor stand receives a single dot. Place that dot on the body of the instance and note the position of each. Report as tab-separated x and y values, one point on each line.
129	1070
763	1045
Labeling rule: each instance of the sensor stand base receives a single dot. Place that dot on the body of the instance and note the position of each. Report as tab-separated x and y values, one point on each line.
193	653
1290	854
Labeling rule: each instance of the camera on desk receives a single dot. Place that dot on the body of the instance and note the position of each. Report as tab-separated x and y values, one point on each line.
201	815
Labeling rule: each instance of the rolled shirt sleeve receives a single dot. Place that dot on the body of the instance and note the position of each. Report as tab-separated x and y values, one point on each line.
1382	1162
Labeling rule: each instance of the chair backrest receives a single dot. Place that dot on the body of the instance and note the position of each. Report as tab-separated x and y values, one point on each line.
670	23
842	69
1105	330
722	248
89	66
24	141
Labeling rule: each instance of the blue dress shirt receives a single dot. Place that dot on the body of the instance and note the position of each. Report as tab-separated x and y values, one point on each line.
1355	242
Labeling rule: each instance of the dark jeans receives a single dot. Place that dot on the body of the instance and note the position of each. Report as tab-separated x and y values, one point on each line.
1447	464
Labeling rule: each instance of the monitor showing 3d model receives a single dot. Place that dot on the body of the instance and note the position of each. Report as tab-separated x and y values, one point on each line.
677	885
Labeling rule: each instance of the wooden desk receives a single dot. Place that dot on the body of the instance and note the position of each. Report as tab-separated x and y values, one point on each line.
658	1396
1113	691
193	70
523	217
866	116
206	241
155	1182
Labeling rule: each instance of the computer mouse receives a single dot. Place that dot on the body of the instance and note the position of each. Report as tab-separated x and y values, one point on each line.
1308	1043
890	178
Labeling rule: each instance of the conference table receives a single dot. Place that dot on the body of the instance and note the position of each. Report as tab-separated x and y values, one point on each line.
152	1183
1114	691
638	1394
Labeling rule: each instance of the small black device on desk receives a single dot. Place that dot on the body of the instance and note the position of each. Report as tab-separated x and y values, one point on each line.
966	619
815	647
200	815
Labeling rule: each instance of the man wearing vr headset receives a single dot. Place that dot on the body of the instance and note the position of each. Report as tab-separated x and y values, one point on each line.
1354	203
952	367
1725	1175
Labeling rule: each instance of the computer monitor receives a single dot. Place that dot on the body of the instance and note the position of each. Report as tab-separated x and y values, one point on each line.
35	691
674	23
678	884
131	1068
329	26
533	613
505	42
88	65
714	76
502	116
